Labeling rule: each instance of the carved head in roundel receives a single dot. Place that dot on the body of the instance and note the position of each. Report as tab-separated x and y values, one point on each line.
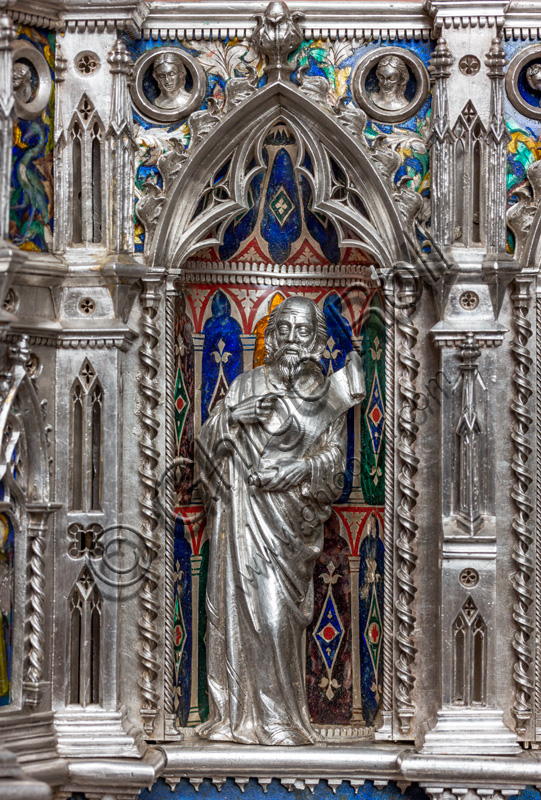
22	81
392	75
533	77
170	74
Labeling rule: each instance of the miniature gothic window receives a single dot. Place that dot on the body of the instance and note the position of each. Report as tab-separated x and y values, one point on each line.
77	182
95	445
77	446
469	136
469	656
86	441
96	183
87	179
85	645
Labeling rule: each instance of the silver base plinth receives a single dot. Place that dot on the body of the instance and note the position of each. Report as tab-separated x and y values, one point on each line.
471	732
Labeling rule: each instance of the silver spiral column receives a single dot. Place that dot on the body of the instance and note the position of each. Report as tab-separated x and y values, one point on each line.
150	396
522	578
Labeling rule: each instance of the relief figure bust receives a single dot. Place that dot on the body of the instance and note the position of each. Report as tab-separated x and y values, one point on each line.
22	82
270	457
170	74
392	75
533	77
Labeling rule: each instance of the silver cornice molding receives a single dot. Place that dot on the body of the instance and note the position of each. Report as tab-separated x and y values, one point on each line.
273	274
333	19
73	335
81	15
465	14
330	20
479	771
40	13
128	775
353	762
301	767
523	20
128	15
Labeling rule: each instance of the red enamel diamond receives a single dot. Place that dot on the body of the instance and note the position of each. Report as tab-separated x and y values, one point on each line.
374	633
329	632
178	634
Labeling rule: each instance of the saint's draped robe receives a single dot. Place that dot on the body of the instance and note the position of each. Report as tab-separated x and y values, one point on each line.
263	548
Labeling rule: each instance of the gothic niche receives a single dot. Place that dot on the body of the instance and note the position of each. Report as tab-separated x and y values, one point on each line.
24	510
86	441
469	656
13	487
85	641
219	333
469	134
85	137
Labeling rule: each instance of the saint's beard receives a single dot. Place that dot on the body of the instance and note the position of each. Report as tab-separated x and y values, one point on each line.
291	364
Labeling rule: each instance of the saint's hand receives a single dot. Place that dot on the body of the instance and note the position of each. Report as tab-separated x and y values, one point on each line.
254	409
280	477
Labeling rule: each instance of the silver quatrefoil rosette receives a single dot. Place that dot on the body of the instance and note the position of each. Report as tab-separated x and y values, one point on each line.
390	84
32	81
168	85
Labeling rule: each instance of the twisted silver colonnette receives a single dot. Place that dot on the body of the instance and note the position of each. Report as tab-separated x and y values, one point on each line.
522	558
149	400
388	597
36	654
170	455
538	506
407	527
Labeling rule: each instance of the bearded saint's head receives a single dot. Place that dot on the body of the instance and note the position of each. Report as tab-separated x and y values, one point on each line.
296	334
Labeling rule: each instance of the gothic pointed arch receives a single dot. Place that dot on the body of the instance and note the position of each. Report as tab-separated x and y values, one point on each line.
213	186
24	511
24	468
85	609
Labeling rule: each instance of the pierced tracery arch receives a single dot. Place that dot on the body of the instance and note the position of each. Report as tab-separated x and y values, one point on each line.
215	184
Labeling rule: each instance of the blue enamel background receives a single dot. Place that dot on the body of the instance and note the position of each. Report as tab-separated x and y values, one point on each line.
275	791
253	791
